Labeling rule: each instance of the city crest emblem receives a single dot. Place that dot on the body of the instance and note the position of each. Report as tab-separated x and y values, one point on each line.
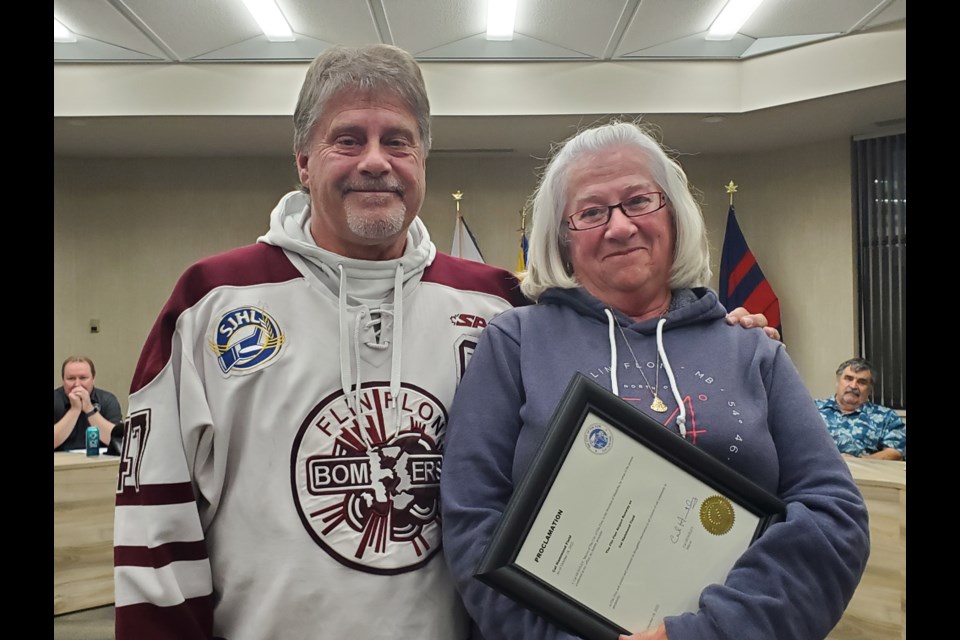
246	339
598	438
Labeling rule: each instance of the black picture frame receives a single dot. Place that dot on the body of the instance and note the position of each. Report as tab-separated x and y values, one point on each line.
498	568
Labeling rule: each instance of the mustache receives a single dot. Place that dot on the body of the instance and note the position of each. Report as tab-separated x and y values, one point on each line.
854	391
374	184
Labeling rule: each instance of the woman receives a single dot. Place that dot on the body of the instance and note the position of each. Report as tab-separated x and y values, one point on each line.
618	262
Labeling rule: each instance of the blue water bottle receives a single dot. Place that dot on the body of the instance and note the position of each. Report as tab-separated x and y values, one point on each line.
93	441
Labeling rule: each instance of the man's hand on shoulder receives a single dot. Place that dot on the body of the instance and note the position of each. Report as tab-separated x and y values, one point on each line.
740	316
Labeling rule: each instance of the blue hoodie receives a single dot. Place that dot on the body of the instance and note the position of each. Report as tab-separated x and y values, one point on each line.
740	399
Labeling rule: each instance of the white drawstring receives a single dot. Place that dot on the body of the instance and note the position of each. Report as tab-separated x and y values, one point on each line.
344	339
357	328
614	386
682	418
353	401
397	333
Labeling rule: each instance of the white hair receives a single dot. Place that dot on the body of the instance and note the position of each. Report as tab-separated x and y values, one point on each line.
547	261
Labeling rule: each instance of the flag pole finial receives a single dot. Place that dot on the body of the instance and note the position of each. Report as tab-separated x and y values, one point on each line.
457	195
731	189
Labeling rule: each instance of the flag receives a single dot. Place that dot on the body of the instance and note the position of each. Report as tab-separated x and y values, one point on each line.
742	283
522	257
464	244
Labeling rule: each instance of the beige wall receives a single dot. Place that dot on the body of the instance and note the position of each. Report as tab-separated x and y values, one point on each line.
494	191
124	230
795	208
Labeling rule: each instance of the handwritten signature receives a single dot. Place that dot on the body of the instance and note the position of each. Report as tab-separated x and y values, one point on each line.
682	519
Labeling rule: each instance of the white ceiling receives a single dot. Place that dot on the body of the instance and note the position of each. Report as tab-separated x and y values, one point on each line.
801	70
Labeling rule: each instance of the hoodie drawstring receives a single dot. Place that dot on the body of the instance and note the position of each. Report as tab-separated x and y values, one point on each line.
682	418
395	341
353	403
615	386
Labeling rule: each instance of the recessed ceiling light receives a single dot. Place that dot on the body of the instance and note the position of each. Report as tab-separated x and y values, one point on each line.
271	21
500	17
728	23
61	33
713	119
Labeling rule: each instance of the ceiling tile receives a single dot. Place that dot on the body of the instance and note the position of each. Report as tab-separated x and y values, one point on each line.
88	50
333	21
520	48
573	24
99	20
801	17
259	48
658	22
190	28
434	22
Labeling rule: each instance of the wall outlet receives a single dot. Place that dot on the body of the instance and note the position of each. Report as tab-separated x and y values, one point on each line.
95	325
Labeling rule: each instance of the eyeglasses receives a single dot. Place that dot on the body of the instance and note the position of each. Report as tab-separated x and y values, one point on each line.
637	205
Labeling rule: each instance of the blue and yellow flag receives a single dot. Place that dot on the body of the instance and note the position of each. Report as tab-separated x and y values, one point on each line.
522	258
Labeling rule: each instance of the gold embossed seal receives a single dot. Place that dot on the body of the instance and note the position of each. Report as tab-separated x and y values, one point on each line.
716	515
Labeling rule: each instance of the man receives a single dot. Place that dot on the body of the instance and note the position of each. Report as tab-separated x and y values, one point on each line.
79	404
281	458
859	427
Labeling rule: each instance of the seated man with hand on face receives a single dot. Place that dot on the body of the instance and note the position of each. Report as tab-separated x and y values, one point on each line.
861	428
77	405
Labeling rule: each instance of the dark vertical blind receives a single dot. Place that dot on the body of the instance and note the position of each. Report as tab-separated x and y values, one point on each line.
880	200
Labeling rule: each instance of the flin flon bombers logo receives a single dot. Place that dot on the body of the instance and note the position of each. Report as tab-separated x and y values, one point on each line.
246	338
368	489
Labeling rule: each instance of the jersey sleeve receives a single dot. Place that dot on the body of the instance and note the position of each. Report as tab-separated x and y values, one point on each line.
162	572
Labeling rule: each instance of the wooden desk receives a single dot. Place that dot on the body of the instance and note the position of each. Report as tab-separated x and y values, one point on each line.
84	491
878	610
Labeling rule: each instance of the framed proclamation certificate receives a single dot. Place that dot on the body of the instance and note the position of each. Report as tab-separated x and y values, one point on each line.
620	522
